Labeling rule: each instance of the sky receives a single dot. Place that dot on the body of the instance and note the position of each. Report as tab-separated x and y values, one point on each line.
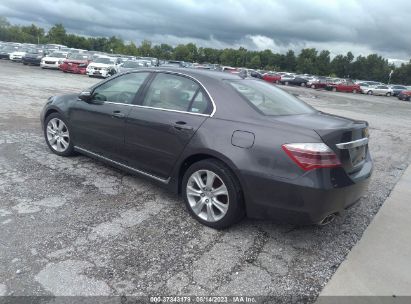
360	26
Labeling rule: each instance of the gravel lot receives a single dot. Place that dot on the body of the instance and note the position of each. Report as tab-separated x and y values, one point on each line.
74	226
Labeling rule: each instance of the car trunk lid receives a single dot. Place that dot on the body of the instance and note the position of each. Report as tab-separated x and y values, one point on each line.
346	137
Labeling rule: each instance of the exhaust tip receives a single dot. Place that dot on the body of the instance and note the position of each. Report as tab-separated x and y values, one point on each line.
327	220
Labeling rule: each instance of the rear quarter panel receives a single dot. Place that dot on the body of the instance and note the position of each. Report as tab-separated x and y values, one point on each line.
265	158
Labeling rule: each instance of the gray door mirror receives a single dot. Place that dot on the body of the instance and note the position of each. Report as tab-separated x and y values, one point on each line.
85	96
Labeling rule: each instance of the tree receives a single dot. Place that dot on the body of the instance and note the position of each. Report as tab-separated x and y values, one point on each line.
181	52
145	48
289	62
323	63
255	62
57	34
371	67
306	61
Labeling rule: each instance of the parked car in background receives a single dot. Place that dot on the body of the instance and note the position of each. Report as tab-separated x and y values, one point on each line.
103	67
380	90
209	136
131	65
344	86
33	57
296	80
53	60
364	87
228	69
75	63
286	78
318	83
255	74
272	77
19	54
7	50
405	95
397	89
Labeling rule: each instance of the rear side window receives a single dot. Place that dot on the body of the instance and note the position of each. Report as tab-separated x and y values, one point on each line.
268	99
174	92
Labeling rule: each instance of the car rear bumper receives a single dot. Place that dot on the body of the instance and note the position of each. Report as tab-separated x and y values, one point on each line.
299	202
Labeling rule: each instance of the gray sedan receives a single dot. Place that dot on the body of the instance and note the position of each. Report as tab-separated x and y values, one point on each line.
231	146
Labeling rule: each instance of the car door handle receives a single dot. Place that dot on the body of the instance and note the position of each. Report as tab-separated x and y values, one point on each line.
181	125
118	114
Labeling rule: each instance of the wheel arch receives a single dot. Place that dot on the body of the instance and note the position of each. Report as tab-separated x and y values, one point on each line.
196	157
49	112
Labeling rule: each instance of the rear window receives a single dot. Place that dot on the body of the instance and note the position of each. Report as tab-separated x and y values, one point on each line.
268	99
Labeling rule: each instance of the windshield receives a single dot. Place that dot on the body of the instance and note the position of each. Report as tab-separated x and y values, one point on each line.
57	55
104	60
268	99
132	64
78	57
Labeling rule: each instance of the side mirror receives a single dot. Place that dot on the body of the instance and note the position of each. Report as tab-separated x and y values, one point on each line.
85	96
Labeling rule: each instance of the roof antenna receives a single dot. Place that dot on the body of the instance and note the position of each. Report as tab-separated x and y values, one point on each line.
243	74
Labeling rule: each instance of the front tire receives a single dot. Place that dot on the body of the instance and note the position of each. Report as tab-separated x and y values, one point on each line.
57	135
388	94
212	194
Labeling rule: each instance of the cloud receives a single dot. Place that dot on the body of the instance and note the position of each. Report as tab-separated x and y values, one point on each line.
362	26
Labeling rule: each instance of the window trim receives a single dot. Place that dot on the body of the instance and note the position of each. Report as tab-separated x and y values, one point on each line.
147	84
136	95
254	107
201	88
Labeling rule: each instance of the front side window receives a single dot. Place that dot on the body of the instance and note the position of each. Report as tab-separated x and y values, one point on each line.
173	92
121	89
268	99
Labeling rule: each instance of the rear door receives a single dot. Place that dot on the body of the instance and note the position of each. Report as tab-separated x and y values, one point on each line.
170	112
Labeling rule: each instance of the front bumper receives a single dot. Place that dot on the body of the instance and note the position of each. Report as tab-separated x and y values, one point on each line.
16	58
34	61
49	65
75	69
306	200
98	73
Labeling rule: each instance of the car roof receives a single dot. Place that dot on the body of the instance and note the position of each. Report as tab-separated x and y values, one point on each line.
199	73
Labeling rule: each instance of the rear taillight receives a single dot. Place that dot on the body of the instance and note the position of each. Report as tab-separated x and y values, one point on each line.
310	156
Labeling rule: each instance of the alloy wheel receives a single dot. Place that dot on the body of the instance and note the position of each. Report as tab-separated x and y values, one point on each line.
58	135
207	195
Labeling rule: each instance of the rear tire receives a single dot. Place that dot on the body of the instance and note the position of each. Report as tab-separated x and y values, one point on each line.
212	194
370	93
388	94
334	89
354	91
312	86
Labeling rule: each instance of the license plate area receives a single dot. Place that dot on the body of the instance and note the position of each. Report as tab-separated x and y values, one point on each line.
358	155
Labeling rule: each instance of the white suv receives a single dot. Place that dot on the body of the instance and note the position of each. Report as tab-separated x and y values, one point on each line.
103	67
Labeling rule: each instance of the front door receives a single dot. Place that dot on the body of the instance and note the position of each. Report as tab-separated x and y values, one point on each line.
157	131
98	125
